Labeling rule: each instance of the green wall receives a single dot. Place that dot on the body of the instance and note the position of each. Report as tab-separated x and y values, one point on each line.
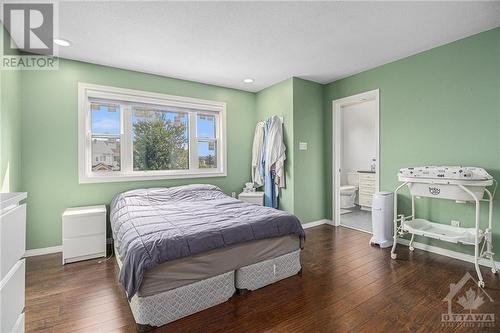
10	136
10	129
49	141
278	100
300	103
439	107
308	164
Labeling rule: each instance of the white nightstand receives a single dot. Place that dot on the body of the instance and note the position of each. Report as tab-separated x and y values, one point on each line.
84	233
252	197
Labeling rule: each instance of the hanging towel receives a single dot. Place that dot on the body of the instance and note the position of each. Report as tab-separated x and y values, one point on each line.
257	155
270	194
275	150
273	161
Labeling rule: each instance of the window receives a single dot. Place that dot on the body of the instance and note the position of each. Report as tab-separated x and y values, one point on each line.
206	141
160	139
105	136
133	135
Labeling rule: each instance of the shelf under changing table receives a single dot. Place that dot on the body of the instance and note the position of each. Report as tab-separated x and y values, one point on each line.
448	233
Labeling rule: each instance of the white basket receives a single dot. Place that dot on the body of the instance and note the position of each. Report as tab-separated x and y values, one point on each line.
443	232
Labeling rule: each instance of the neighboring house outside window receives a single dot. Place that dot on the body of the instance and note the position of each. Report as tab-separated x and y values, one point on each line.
106	152
133	135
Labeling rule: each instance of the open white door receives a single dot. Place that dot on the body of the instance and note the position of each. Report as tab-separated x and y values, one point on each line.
337	106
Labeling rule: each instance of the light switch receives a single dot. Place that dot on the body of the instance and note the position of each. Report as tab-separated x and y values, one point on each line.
302	145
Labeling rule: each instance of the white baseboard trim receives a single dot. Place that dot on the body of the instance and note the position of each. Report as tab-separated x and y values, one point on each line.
448	253
330	222
42	251
316	223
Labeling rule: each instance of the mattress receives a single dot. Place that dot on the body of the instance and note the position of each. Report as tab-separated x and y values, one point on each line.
176	273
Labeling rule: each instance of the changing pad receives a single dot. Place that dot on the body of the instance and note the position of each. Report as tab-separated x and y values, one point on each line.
445	172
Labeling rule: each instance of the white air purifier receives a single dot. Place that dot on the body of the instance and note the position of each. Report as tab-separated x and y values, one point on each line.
382	219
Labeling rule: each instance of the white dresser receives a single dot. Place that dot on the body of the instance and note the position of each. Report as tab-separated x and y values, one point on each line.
366	190
12	264
84	233
252	197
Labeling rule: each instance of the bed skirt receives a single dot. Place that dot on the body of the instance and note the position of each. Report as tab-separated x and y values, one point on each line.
267	272
168	306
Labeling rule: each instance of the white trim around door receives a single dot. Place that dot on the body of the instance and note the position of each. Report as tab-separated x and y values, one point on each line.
337	105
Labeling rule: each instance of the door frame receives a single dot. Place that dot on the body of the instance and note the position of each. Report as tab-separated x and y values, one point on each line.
372	95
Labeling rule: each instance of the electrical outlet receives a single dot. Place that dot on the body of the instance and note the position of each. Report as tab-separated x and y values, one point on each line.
455	223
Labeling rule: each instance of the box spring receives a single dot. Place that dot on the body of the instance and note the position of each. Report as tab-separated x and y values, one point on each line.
269	271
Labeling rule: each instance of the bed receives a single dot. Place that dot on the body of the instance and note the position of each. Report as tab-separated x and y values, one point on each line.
183	249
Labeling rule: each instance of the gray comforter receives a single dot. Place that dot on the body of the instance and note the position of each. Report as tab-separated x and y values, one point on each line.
152	226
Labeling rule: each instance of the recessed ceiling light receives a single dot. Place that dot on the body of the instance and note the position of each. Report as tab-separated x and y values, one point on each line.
62	42
248	80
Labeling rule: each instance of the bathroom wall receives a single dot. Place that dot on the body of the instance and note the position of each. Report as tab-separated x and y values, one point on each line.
358	137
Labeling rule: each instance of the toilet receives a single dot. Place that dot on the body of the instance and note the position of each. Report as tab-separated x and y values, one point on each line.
348	191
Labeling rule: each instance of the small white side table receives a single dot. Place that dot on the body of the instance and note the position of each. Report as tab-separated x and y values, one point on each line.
252	197
84	233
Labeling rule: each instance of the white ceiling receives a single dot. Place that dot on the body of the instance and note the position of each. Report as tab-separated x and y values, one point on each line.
223	42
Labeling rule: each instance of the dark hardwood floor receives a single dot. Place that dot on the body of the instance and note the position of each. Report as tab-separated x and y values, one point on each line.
346	286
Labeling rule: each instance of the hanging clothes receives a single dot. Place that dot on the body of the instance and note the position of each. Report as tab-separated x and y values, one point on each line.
275	152
269	187
257	155
273	160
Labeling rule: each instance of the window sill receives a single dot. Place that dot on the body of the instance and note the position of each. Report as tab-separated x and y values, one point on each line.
93	179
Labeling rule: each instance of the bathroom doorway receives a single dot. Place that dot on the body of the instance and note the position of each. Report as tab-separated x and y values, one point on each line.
355	159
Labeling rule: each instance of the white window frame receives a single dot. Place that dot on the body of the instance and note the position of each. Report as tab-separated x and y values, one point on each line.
91	91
